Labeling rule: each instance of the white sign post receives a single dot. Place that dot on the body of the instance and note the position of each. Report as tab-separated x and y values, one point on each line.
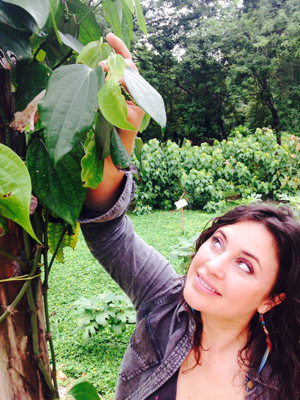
180	204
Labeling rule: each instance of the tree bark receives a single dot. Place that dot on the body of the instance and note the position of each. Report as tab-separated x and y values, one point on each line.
20	375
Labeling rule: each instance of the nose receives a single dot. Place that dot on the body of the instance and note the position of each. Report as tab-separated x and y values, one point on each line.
216	266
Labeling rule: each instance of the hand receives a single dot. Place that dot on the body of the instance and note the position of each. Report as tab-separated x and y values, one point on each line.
106	194
134	113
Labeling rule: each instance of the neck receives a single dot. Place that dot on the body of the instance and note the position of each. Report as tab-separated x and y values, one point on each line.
219	335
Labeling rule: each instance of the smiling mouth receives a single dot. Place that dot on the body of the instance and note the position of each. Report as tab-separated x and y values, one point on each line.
207	286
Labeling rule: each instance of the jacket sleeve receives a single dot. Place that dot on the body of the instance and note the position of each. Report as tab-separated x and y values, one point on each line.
141	272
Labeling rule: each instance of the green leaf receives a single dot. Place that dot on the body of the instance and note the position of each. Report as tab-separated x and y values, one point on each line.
55	231
88	26
145	96
38	9
102	136
60	189
83	391
145	122
17	18
15	45
15	189
101	320
114	9
127	25
140	16
32	79
113	105
92	166
70	41
100	76
138	145
93	53
53	10
68	109
116	66
118	153
129	4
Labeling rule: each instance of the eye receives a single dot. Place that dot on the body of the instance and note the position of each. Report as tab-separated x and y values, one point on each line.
216	241
245	265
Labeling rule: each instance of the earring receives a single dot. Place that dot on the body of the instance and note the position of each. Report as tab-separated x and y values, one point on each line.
268	349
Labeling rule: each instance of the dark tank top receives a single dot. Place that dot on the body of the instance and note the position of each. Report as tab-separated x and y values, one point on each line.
167	391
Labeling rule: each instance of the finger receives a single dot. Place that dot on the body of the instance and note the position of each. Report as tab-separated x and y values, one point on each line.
117	44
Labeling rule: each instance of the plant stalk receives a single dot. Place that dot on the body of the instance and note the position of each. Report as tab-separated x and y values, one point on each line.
35	343
45	294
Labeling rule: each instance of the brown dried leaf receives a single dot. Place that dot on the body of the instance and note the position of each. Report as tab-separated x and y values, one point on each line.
25	117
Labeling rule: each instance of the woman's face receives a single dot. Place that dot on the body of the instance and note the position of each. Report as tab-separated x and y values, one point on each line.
233	272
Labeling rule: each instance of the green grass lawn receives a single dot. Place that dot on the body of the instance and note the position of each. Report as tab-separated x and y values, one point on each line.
98	358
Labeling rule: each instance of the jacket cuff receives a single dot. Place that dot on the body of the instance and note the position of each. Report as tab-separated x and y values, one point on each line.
120	207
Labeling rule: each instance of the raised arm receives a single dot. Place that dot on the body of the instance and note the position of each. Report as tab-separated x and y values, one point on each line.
105	195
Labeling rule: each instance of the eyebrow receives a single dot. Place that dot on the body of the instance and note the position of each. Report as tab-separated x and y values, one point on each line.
246	253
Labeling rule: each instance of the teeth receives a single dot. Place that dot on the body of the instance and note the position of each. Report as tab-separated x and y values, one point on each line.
206	285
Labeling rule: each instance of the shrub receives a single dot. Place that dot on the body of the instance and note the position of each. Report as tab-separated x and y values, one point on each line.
209	175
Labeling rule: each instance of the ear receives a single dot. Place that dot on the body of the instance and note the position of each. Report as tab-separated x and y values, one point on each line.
270	302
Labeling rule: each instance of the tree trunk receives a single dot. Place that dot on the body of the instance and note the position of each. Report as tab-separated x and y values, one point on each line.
20	374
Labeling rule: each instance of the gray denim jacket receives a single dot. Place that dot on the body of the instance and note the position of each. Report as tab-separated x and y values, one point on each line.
163	335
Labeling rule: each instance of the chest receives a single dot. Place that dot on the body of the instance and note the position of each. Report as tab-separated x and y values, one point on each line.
214	380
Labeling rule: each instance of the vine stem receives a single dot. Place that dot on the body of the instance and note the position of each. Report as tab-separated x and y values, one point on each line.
26	285
47	268
35	343
57	248
20	262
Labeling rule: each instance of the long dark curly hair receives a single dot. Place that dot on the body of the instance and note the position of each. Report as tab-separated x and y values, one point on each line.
282	321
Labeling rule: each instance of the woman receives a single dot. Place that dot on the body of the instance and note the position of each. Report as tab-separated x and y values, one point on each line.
230	329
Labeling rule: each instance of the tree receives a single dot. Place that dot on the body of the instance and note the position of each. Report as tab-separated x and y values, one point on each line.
53	144
260	48
222	64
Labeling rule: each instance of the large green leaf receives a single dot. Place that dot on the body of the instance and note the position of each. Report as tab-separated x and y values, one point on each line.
68	109
93	53
83	391
60	189
32	78
88	26
17	18
145	96
15	189
92	166
55	231
38	9
14	44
